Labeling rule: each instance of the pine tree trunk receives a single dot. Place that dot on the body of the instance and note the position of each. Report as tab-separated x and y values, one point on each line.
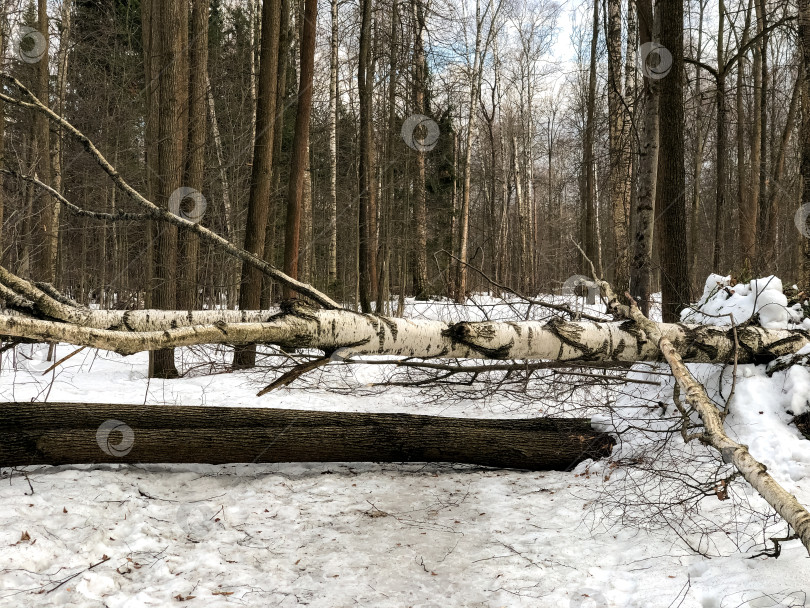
618	148
43	266
299	162
167	74
671	186
261	172
195	158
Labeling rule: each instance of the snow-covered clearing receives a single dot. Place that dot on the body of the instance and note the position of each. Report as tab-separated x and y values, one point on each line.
387	535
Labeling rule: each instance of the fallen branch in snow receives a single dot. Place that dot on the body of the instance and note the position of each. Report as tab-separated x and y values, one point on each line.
296	372
715	435
104	558
75	433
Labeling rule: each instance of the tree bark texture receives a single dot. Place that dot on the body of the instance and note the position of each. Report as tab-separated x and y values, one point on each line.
347	333
671	187
261	172
79	433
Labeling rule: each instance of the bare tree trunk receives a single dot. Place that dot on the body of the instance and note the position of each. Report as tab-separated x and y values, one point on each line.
195	158
61	90
769	212
223	175
804	46
253	18
299	162
671	186
697	163
464	217
333	92
420	280
43	265
502	248
720	161
167	77
523	220
744	193
590	220
366	177
749	211
278	197
762	119
394	272
306	266
3	43
619	148
642	263
261	172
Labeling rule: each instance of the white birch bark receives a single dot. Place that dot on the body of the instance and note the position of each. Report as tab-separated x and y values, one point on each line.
127	332
715	435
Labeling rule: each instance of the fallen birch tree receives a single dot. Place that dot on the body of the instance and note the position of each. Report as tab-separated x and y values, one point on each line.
346	333
39	313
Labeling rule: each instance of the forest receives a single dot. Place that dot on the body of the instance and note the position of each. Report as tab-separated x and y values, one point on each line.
477	303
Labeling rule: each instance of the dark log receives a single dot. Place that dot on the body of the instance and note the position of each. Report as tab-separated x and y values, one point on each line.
81	433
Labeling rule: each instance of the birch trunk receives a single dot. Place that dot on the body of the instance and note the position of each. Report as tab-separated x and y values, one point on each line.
523	220
715	435
464	218
332	126
61	89
350	333
642	264
223	175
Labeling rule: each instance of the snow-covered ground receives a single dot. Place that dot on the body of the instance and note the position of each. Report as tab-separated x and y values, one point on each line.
389	535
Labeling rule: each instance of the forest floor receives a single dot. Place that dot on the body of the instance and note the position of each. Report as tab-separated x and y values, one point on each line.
393	535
